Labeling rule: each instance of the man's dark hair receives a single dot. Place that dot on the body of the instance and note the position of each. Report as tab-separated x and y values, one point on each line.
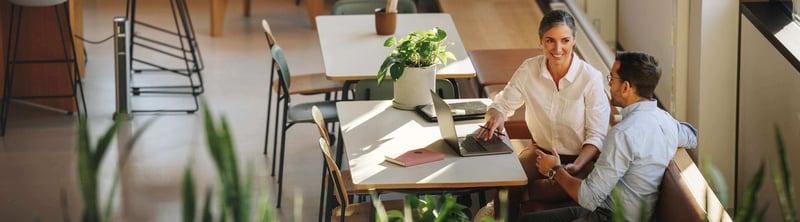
641	70
554	18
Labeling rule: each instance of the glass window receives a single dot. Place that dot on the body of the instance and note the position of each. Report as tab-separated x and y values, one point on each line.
796	10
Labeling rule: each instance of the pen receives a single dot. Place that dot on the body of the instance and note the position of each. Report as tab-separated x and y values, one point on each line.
495	132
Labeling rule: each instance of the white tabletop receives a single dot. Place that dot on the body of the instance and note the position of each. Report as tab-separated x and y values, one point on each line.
373	129
351	50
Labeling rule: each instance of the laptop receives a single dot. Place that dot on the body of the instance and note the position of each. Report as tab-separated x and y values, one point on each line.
467	145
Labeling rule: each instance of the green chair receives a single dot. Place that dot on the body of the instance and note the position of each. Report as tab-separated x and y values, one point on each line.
292	113
368	89
352	7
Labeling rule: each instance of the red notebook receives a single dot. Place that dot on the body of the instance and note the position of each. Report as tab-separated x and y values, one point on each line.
415	157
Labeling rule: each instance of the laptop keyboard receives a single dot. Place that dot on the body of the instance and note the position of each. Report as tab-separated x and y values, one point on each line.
471	144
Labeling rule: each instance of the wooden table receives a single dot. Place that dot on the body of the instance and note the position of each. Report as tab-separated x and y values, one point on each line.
373	129
495	24
351	50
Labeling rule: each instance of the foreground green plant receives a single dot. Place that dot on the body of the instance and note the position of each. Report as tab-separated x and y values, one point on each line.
234	194
428	209
89	159
747	209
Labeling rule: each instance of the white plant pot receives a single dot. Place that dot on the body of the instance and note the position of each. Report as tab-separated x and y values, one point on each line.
413	88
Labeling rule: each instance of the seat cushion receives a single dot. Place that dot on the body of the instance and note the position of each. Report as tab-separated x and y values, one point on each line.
350	7
309	84
301	113
496	66
515	125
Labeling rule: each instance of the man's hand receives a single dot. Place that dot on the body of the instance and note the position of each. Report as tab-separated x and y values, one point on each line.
494	123
546	161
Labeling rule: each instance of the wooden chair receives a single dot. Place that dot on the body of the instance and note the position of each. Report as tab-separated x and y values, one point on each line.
342	185
319	120
292	113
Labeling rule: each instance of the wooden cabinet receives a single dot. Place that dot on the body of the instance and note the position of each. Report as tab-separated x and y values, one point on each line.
40	40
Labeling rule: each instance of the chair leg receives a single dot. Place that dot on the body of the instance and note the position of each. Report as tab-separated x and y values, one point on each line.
10	66
269	109
72	64
275	135
322	191
283	154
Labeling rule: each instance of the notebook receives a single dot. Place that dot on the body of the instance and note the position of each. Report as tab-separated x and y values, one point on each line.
415	157
468	145
460	111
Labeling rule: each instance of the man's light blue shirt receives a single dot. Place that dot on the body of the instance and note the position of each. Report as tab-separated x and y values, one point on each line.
634	156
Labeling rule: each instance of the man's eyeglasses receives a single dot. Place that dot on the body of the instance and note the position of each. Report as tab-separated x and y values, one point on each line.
610	77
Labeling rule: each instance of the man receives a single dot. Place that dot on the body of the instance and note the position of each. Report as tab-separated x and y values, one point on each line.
634	155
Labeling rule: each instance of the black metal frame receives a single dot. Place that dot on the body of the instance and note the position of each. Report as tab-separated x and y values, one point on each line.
11	62
188	51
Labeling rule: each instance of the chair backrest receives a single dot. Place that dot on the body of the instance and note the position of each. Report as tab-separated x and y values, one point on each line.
675	200
335	174
280	65
268	32
368	89
352	7
319	120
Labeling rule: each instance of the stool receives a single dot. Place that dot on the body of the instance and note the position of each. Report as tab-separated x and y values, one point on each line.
17	8
180	48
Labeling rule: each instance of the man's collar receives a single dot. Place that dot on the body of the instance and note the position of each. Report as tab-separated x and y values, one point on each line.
641	105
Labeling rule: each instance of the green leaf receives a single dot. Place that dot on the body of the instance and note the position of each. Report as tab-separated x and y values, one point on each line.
105	140
265	210
245	196
390	42
397	71
207	217
380	211
387	63
441	35
393	215
783	182
718	181
87	173
617	209
747	206
188	196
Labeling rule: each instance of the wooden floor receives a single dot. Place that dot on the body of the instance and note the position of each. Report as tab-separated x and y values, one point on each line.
37	155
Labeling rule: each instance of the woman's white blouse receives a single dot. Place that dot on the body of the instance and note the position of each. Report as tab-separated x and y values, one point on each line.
567	117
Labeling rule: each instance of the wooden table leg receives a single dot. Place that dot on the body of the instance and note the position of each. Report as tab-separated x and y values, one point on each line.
246	8
314	8
217	16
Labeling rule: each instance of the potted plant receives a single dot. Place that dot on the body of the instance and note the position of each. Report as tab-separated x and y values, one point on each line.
415	57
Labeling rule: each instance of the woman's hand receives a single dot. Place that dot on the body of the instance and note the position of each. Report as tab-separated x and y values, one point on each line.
494	123
573	168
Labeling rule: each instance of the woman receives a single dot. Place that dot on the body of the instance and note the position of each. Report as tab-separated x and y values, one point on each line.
565	108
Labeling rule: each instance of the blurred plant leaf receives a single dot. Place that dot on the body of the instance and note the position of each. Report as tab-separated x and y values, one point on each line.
188	199
747	207
783	182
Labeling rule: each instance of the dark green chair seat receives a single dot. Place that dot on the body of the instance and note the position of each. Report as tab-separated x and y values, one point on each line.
368	89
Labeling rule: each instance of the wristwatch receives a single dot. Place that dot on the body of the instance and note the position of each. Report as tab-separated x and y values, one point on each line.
551	174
